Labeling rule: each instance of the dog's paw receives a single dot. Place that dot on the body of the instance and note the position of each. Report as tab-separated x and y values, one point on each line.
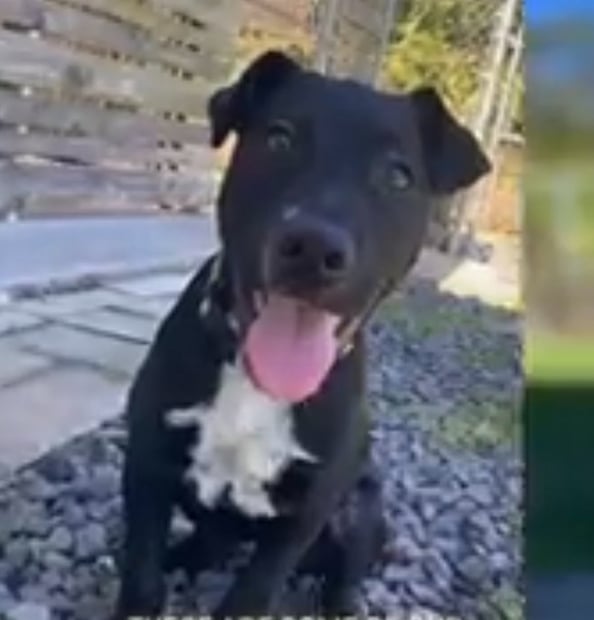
345	604
241	603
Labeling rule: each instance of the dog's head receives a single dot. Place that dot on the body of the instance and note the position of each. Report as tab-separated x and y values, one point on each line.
324	205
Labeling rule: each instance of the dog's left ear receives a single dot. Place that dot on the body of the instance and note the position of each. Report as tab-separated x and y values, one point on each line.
231	108
453	157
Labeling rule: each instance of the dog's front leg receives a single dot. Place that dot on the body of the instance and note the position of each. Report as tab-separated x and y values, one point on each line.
148	505
258	588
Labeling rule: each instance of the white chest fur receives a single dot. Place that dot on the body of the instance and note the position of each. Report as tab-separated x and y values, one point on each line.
246	441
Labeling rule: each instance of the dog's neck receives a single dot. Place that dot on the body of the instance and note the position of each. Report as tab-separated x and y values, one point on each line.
217	292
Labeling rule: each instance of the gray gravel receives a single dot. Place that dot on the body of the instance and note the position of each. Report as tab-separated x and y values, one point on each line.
445	384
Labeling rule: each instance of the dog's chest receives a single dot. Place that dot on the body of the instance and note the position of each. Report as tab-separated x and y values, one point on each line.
246	440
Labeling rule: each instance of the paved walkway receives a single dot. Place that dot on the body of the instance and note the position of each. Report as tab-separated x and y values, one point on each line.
42	251
66	360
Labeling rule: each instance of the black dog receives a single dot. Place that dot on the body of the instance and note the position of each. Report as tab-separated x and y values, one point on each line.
248	411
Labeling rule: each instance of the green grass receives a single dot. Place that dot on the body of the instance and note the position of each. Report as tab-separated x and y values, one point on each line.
559	358
425	322
493	358
473	426
480	427
505	604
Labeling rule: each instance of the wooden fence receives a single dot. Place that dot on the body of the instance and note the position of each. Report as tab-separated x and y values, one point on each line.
102	101
353	37
338	37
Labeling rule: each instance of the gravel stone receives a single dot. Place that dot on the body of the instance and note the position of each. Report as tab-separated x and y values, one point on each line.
16	552
97	512
92	606
438	365
57	468
105	482
7	601
73	516
56	562
474	569
28	611
90	541
5	569
60	539
36	488
61	604
33	593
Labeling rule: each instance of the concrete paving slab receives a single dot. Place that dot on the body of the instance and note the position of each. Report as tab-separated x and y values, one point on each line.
51	409
12	320
34	251
482	281
56	306
152	286
62	343
16	365
153	307
115	323
433	265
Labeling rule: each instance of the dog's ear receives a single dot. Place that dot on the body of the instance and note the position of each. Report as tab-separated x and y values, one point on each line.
230	108
453	157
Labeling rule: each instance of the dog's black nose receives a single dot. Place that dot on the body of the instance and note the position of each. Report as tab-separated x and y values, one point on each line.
311	254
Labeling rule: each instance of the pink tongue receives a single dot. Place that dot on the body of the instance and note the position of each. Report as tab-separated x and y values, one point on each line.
290	348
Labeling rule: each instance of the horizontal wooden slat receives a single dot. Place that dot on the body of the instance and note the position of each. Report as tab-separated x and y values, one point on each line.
136	153
109	36
369	16
38	63
224	16
88	119
347	61
103	203
144	15
23	179
24	13
269	15
352	37
77	204
20	183
119	87
363	32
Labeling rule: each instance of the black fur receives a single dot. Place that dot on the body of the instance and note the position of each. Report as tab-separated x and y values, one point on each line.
357	168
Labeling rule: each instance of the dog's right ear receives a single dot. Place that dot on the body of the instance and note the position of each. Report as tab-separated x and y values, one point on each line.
453	156
230	108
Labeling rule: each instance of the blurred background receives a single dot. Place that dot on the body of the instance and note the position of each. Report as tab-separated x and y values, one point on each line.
559	225
558	286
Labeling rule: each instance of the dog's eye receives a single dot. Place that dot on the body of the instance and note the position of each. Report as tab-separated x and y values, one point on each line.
398	176
280	137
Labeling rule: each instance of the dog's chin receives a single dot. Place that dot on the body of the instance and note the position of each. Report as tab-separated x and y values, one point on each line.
289	345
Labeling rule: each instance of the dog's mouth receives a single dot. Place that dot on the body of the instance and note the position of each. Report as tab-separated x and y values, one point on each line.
290	346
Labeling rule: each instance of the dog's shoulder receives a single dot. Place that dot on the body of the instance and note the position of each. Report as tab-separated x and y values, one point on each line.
189	309
192	343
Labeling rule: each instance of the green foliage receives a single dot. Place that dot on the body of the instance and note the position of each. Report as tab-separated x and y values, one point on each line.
561	96
505	604
517	102
481	427
442	43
